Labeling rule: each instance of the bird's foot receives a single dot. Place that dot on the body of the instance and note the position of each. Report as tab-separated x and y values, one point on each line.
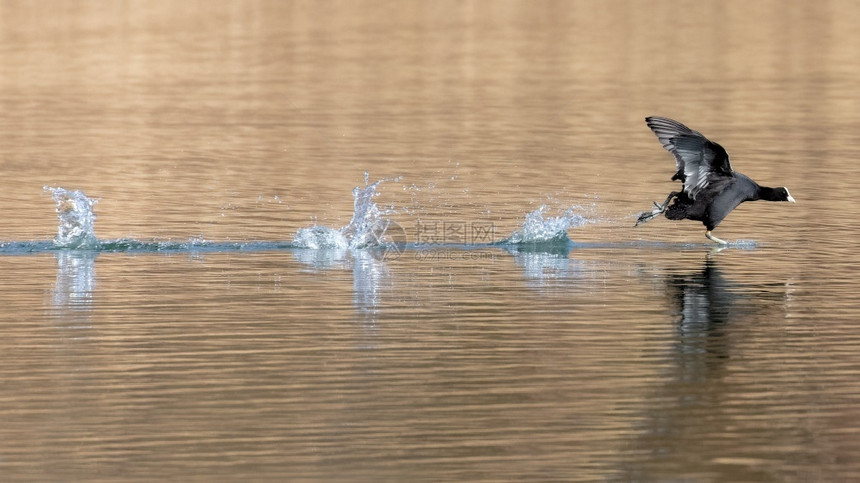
645	217
650	215
715	239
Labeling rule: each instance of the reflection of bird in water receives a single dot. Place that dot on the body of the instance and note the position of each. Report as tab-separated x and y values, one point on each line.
703	299
680	439
711	188
706	304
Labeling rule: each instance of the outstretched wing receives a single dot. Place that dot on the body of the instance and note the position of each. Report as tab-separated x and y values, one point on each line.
666	129
700	162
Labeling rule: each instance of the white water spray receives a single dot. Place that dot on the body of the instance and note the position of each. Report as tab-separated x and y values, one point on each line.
367	227
539	229
76	219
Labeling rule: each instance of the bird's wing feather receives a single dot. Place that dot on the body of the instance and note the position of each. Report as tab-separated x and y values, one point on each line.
665	129
700	162
705	162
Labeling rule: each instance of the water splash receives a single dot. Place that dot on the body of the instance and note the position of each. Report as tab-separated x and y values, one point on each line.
538	229
320	238
76	219
367	228
367	225
744	244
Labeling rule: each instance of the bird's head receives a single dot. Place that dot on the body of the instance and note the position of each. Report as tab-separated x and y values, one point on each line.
782	194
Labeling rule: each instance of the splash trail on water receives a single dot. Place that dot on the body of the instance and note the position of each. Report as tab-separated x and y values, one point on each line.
76	232
370	228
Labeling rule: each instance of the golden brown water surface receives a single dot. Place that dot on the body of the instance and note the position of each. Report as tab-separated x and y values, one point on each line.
638	355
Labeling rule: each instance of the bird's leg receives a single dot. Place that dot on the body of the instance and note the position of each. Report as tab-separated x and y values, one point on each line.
657	211
665	205
715	239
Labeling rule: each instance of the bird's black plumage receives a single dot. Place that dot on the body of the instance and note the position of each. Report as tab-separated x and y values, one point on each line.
711	189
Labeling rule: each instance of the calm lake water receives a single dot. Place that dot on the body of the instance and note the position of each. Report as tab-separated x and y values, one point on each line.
201	336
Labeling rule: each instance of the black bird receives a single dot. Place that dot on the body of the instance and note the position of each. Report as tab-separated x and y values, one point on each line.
711	189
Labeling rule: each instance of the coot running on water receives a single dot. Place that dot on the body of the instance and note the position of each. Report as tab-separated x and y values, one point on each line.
711	189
